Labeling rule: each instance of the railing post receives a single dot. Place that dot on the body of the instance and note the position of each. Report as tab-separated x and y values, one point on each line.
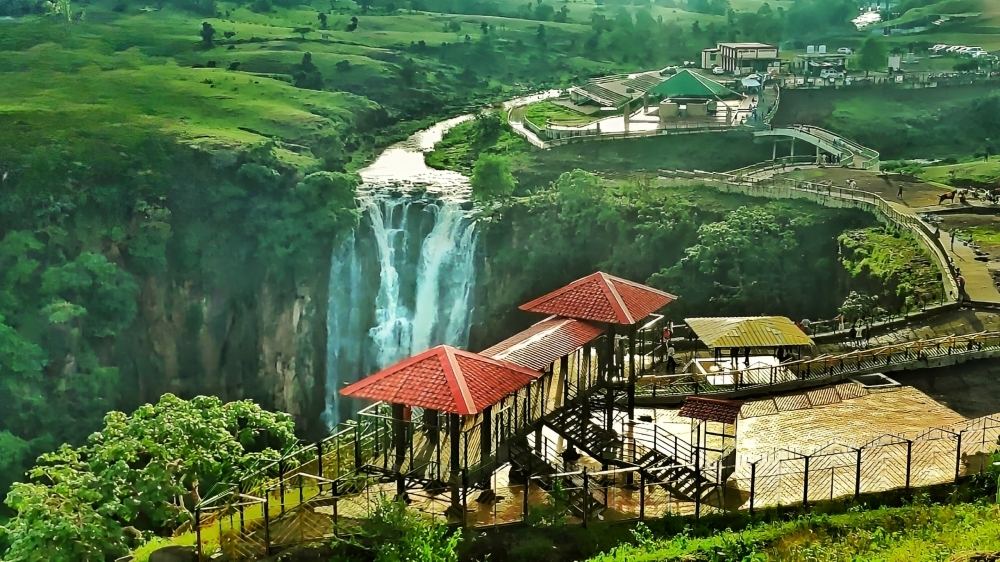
642	495
753	484
805	485
586	495
527	486
333	492
909	459
958	456
197	532
281	484
319	459
465	496
267	527
857	477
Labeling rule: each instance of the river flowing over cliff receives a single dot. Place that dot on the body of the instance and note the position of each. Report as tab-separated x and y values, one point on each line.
403	281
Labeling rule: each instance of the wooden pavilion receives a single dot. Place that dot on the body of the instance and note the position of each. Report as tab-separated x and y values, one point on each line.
442	381
743	336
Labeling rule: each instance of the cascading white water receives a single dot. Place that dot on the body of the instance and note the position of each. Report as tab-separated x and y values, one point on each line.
402	282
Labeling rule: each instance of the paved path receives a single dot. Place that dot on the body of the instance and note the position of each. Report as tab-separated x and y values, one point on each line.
979	285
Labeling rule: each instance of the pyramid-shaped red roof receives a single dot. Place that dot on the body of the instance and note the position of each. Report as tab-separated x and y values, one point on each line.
446	379
600	297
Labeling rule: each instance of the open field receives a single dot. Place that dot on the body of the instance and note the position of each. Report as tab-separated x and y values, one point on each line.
545	112
977	172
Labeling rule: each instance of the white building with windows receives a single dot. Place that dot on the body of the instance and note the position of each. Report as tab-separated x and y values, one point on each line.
741	58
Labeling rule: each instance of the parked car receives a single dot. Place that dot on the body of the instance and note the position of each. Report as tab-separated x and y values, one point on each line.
953	48
938	47
718	70
845	51
828	73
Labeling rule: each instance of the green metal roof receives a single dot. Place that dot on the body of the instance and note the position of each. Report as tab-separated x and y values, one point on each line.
753	331
687	84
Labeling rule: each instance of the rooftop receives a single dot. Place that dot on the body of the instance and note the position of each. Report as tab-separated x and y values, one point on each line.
711	409
748	45
446	379
752	331
686	85
600	297
540	345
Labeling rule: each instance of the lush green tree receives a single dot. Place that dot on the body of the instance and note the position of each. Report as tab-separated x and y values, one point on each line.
398	534
491	178
141	473
322	17
302	31
872	55
307	74
207	33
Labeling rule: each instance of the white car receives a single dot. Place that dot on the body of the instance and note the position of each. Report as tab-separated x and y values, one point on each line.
938	47
827	73
845	51
718	70
954	48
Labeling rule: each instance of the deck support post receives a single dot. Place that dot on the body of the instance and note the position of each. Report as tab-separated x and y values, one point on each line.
455	422
793	147
399	443
631	373
486	445
609	370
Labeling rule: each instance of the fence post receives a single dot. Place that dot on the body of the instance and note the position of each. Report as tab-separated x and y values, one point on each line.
753	484
586	495
527	485
642	495
805	484
909	460
857	479
267	526
958	456
357	448
197	531
333	492
319	459
465	495
281	484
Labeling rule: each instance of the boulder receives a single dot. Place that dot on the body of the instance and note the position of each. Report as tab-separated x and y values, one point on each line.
174	554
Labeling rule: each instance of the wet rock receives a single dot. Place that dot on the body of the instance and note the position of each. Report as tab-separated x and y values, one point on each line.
174	554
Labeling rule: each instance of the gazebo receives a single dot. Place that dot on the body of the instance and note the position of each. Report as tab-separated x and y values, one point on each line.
713	430
443	380
690	94
606	301
744	336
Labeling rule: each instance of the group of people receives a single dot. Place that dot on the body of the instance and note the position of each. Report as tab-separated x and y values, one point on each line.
859	338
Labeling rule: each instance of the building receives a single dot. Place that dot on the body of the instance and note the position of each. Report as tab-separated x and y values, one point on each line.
741	58
689	94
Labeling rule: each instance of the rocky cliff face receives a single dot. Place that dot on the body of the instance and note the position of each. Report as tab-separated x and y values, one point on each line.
268	346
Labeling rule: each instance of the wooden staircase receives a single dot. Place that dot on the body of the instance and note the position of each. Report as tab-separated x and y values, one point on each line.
540	463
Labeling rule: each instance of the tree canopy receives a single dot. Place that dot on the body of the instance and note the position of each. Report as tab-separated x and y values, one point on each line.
872	55
491	178
140	475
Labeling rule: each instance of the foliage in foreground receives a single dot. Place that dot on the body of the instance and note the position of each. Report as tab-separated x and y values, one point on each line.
913	533
398	534
140	475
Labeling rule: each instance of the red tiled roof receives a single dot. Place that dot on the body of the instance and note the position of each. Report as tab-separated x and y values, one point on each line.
602	298
446	379
711	409
543	343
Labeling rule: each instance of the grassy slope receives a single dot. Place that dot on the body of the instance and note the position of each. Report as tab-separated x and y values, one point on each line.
977	171
907	534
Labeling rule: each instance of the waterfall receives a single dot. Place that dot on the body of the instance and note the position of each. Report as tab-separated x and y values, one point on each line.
400	284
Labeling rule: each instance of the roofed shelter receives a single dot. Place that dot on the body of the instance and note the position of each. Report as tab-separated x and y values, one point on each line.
442	380
748	333
607	301
688	85
713	430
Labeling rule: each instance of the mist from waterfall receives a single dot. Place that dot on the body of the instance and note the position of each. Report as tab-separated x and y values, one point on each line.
400	284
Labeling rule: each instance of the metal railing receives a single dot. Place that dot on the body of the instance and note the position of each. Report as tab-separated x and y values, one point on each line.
831	367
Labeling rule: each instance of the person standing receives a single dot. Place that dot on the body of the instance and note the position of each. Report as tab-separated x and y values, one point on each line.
899	191
671	362
853	335
953	240
805	325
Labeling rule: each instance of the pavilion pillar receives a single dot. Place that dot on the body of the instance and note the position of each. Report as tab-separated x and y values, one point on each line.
399	441
455	423
793	147
561	381
631	373
645	103
628	113
611	367
431	423
486	445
